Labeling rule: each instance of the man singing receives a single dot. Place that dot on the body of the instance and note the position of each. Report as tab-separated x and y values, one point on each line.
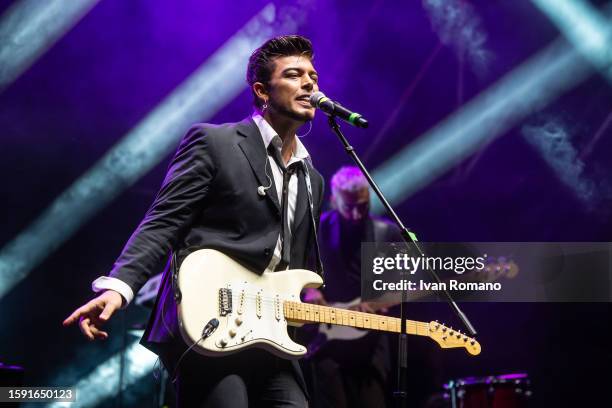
229	187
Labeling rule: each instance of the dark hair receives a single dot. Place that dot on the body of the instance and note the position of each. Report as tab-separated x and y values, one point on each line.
260	67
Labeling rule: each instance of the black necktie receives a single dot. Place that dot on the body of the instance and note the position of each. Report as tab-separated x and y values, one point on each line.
286	228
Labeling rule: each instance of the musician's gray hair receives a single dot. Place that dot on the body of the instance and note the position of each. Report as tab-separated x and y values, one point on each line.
348	179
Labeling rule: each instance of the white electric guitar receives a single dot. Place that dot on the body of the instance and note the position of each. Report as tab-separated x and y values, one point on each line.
225	308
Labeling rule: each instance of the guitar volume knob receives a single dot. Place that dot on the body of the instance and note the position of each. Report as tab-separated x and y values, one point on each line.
238	320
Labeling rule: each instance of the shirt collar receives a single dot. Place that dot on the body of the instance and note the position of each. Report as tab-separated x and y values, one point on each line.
269	135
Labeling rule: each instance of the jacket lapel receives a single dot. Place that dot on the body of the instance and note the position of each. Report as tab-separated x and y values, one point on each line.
255	151
315	181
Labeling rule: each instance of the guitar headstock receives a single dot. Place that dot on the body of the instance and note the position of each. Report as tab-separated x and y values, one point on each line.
449	338
497	268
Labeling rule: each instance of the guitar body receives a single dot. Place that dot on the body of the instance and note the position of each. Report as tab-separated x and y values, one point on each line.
249	307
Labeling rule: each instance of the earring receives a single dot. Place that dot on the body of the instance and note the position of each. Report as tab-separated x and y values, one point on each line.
307	133
264	107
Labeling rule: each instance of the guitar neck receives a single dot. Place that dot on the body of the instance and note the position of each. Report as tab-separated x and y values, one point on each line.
298	312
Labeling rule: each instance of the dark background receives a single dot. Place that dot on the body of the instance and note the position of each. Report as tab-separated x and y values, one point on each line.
117	63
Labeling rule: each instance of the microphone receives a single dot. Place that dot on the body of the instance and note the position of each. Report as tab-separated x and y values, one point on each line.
331	108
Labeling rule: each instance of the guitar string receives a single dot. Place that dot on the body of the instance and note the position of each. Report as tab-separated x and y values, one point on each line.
270	305
271	302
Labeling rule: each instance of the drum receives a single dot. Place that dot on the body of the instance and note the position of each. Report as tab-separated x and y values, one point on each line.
502	391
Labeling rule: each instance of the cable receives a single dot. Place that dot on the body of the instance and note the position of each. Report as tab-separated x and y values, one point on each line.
209	329
261	190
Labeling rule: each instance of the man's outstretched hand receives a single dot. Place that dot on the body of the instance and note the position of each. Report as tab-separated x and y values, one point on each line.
92	315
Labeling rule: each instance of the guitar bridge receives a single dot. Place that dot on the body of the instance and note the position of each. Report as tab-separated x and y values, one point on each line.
225	301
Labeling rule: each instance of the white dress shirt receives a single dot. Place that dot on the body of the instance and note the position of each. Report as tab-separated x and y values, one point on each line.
268	135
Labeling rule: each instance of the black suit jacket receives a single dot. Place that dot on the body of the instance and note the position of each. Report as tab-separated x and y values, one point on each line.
209	199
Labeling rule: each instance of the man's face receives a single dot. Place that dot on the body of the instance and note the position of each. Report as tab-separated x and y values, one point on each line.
292	82
353	206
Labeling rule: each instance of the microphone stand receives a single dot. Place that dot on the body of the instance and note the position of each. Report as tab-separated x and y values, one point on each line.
411	242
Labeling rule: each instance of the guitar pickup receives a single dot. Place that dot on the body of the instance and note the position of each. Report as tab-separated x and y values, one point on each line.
225	301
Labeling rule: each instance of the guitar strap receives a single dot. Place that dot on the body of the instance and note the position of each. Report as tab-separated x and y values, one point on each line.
319	264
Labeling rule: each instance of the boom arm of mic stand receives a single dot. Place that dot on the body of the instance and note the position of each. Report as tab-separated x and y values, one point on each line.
411	240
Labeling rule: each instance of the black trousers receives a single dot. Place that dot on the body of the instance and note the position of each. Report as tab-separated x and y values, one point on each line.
252	378
346	387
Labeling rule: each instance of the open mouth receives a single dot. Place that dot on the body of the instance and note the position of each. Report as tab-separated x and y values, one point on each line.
304	99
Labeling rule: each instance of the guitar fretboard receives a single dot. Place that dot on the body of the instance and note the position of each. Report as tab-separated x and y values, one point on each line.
308	313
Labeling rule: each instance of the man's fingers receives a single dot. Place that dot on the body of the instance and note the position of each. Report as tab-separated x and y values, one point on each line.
74	316
84	326
97	333
81	311
94	314
70	319
108	311
89	329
